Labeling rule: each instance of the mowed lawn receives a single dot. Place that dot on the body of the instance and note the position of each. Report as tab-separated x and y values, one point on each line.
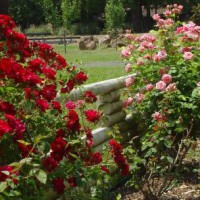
100	64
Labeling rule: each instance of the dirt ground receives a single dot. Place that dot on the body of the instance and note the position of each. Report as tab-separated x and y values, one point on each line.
187	188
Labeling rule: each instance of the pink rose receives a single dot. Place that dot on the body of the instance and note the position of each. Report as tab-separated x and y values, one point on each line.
129	36
187	55
70	105
161	85
198	84
166	78
156	17
130	47
167	13
129	81
162	71
185	49
161	55
171	87
128	68
157	116
139	97
125	53
147	56
128	102
79	103
149	87
139	61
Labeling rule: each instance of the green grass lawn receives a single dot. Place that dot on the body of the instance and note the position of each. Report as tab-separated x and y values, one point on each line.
74	55
95	71
103	73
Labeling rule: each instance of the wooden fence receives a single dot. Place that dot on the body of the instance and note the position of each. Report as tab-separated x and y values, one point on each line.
43	38
110	103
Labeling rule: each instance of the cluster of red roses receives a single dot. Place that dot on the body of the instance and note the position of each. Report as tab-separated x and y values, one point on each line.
120	160
30	70
28	107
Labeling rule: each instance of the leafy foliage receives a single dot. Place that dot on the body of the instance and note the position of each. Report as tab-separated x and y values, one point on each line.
165	97
114	15
42	146
71	11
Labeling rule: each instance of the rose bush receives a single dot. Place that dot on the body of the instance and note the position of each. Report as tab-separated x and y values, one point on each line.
166	97
41	145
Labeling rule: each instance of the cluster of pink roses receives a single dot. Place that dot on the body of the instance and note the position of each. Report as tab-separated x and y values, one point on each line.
147	51
162	85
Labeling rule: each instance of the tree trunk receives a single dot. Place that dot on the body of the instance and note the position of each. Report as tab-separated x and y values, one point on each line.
3	6
137	17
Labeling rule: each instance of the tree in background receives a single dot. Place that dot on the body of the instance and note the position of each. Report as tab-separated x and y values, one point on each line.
52	12
86	13
71	11
196	14
114	15
3	6
37	12
26	12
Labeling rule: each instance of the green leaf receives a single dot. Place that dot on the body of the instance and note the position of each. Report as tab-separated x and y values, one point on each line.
74	156
16	165
168	143
9	88
1	198
25	161
170	159
119	196
3	186
41	176
23	142
7	173
39	138
14	193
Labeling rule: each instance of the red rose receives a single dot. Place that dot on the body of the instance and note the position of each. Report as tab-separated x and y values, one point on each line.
49	73
60	133
56	106
116	147
69	86
4	128
36	65
26	149
73	120
125	169
105	169
58	145
95	158
15	124
81	77
7	108
89	97
42	104
58	156
61	62
92	115
4	175
58	185
119	159
49	92
89	136
49	163
72	181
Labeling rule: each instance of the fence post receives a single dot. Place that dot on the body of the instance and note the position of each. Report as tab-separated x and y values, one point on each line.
65	44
